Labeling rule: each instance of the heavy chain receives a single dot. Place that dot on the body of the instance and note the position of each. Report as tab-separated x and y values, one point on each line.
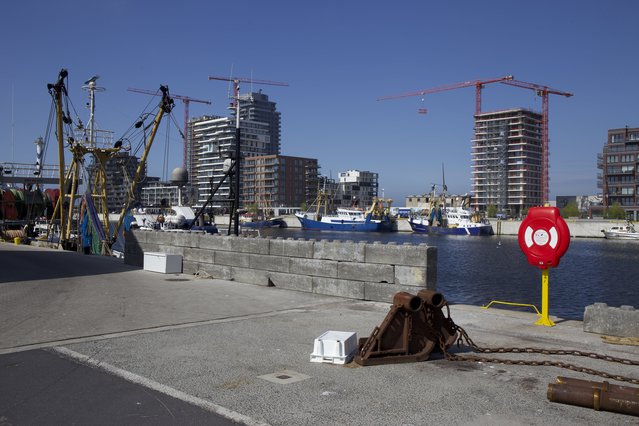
465	339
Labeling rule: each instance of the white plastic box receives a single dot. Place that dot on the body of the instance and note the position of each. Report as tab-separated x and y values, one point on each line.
163	262
335	347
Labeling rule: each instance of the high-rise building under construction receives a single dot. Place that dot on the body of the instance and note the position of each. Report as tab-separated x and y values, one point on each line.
507	160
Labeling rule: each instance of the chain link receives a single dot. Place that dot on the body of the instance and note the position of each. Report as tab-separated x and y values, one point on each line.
465	339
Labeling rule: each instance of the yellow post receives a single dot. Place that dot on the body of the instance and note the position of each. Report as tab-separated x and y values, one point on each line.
545	319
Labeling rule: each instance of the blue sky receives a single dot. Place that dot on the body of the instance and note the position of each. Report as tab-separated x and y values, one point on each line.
337	57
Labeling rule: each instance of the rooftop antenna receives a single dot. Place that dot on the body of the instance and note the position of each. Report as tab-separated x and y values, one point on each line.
91	87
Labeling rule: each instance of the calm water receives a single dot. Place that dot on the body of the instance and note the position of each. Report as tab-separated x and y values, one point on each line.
476	270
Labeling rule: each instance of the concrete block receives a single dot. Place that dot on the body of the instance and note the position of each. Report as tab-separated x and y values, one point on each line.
405	254
269	263
172	250
135	235
411	275
249	245
231	259
603	319
340	288
198	255
381	292
189	267
344	251
250	276
159	237
292	281
366	272
146	247
221	272
215	242
184	238
313	267
291	247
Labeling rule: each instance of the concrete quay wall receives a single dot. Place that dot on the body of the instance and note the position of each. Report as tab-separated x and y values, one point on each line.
365	271
579	228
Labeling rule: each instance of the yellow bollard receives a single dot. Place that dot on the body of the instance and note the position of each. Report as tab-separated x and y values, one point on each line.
17	241
545	319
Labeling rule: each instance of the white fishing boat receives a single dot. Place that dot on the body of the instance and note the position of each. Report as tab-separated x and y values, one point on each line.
451	220
173	218
622	232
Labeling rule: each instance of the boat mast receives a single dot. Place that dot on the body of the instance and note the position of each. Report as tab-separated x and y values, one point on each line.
166	105
91	87
56	90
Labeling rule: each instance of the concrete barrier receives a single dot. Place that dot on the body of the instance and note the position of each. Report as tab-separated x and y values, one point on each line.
367	271
579	228
603	319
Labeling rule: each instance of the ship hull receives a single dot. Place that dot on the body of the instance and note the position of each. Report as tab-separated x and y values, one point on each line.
481	230
349	226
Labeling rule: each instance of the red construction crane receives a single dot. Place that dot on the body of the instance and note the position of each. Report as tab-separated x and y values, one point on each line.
186	100
479	85
542	91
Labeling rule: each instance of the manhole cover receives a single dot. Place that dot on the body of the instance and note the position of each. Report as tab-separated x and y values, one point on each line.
284	377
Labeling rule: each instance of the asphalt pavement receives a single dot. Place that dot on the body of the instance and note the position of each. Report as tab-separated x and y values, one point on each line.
90	340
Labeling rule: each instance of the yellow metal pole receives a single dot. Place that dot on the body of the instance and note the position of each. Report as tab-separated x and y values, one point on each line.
138	172
545	319
59	133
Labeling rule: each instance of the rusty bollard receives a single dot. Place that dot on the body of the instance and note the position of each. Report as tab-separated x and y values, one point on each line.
414	327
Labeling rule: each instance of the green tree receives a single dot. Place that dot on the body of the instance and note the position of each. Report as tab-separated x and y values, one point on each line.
304	206
252	208
571	210
616	212
491	211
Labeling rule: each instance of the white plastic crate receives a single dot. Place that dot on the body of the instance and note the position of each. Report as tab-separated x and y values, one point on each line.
335	347
163	262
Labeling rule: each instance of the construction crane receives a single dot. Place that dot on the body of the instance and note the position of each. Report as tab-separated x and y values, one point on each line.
543	91
479	85
236	164
186	100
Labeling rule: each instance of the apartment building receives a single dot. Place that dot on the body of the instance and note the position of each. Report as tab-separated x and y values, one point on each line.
507	160
214	142
278	180
255	106
356	187
619	179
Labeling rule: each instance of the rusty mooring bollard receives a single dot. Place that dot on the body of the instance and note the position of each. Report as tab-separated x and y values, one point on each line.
414	327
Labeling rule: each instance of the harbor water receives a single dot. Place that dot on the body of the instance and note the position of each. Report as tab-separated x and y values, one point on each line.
477	270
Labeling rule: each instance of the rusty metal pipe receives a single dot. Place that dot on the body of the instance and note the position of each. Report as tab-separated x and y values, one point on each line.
598	399
407	301
432	298
631	390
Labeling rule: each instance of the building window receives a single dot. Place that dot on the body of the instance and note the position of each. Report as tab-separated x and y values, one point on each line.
616	138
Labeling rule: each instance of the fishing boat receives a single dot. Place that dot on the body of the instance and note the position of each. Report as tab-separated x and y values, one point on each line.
451	221
441	219
622	232
261	222
174	218
376	219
